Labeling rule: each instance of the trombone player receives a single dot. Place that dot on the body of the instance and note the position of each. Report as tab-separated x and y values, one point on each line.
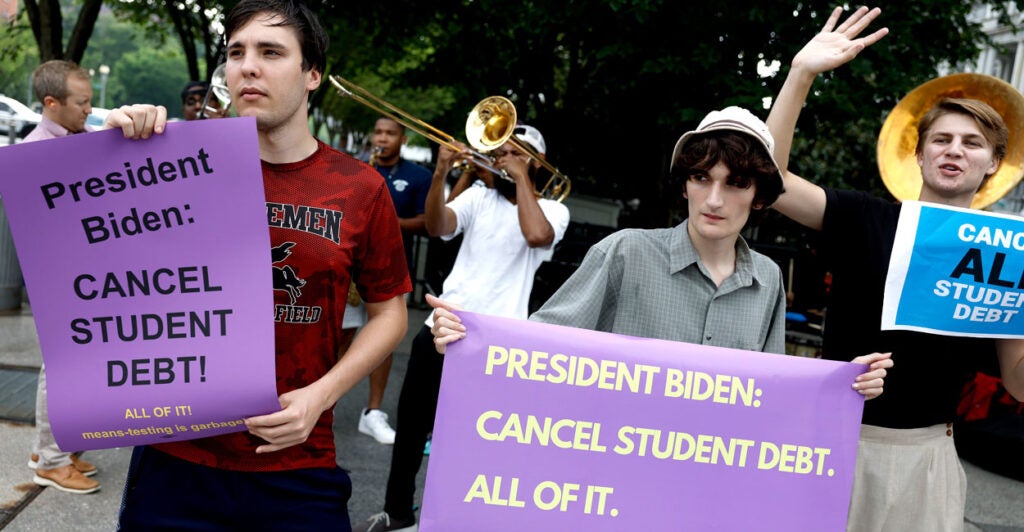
508	232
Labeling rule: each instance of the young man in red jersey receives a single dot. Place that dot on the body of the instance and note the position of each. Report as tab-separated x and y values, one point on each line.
282	473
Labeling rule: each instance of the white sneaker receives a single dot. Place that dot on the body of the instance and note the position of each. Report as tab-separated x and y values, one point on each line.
374	423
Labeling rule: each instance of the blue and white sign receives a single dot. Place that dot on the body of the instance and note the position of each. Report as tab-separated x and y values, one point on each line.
956	271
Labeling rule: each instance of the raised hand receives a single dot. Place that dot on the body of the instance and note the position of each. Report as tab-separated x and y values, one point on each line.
835	46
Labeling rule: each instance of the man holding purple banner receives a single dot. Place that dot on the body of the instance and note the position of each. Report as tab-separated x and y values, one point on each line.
698	282
65	91
331	222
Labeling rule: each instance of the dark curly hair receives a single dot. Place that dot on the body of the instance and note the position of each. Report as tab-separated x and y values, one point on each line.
743	155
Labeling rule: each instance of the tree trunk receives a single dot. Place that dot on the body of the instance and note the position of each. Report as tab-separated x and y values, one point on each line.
47	20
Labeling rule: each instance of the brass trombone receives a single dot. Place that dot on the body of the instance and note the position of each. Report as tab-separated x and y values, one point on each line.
219	91
490	124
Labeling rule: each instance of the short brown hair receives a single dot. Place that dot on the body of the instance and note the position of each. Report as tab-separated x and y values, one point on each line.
991	123
51	79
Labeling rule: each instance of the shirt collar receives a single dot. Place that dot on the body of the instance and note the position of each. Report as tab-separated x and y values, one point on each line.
54	129
682	254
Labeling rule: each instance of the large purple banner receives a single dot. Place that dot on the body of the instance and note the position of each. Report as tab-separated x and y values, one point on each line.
148	268
541	427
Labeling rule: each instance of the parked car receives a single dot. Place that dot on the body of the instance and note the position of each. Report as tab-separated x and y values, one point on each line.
16	114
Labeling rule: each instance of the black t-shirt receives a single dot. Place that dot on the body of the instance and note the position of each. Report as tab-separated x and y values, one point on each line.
923	387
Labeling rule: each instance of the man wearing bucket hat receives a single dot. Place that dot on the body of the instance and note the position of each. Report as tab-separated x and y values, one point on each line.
908	475
703	281
507	233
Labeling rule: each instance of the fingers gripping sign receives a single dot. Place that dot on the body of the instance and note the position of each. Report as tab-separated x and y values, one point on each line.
139	121
300	410
870	383
447	326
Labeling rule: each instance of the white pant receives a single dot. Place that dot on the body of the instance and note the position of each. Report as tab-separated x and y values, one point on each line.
907	480
50	456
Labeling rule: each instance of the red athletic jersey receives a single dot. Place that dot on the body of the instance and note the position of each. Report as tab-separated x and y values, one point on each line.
331	218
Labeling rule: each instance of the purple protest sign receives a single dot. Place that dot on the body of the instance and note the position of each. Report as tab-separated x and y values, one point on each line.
148	268
541	427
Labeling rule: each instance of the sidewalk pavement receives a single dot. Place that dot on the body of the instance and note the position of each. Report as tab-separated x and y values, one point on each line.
994	503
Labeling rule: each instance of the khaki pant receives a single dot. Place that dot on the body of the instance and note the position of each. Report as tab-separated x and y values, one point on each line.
907	480
50	455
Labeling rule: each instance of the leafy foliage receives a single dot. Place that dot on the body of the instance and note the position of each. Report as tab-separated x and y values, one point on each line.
611	83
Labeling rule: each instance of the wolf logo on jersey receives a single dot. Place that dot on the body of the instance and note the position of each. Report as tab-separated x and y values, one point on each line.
285	278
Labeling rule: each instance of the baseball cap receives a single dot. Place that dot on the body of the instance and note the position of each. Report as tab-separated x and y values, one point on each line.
194	87
531	136
733	119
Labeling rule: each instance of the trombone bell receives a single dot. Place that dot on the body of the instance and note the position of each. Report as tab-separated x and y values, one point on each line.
490	123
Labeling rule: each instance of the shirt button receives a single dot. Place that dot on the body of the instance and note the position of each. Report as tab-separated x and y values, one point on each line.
707	338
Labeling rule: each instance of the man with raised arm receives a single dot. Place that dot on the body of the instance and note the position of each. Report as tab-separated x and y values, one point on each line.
908	474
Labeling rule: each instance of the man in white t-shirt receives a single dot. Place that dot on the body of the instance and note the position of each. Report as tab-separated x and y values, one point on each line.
507	233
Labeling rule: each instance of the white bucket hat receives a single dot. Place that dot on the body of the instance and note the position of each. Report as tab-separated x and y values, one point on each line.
733	119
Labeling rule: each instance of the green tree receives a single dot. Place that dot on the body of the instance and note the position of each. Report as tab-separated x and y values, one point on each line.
614	83
17	60
47	20
195	23
148	75
611	83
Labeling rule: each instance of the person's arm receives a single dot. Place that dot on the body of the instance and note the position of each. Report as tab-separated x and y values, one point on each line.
439	219
466	178
1011	365
802	200
417	225
139	121
386	324
532	223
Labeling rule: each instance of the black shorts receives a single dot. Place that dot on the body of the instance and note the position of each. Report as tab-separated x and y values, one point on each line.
163	492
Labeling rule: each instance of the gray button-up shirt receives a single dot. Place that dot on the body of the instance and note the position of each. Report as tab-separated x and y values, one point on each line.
651	283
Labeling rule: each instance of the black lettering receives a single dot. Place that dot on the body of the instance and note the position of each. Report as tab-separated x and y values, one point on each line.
138	371
971	264
87	296
51	192
163	371
81	326
112	366
116	182
997	268
146	174
167	172
95	231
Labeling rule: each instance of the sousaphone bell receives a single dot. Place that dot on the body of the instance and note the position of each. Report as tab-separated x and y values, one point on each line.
897	160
